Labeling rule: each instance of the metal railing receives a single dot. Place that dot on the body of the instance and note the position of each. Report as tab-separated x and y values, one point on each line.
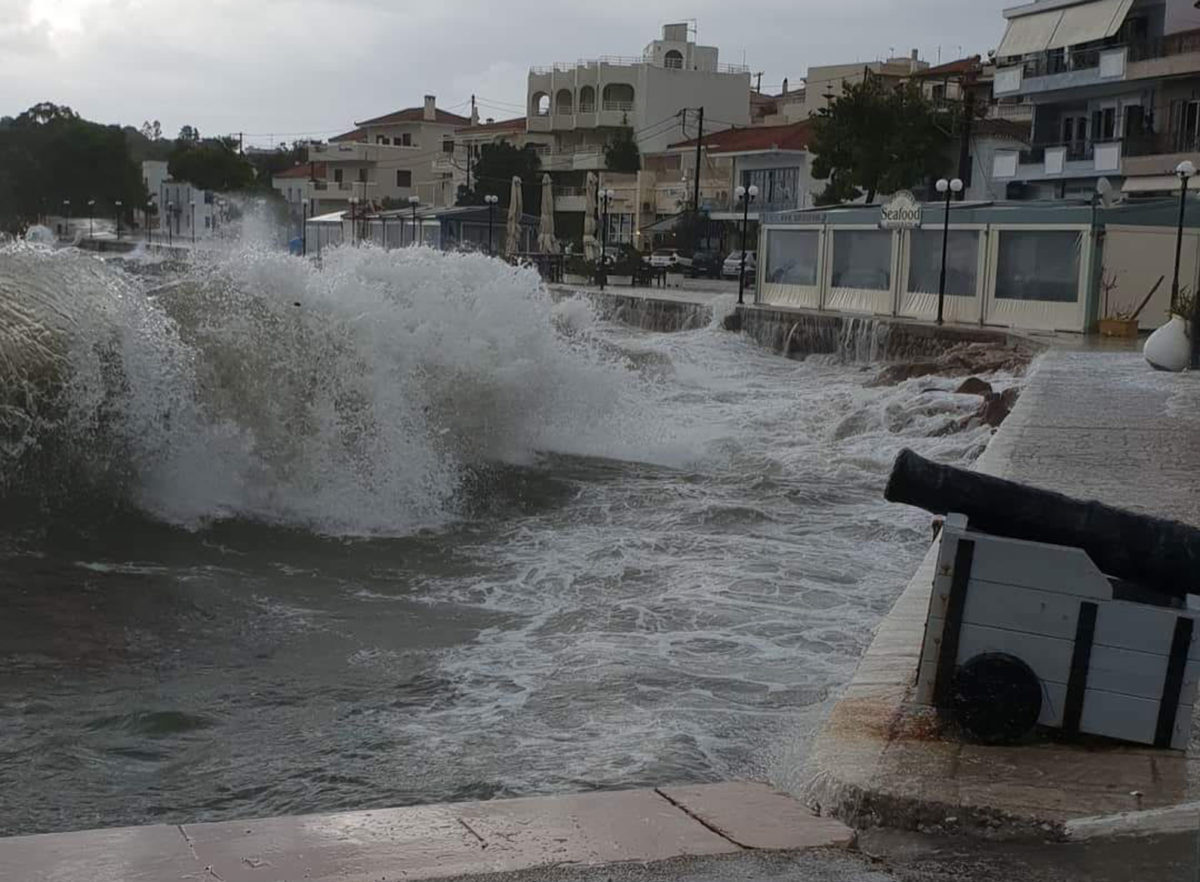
587	108
1155	143
617	105
1058	61
1016	112
1164	47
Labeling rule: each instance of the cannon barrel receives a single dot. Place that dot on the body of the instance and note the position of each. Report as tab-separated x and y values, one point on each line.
1158	554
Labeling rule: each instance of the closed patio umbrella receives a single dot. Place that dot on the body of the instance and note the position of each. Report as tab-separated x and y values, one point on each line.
591	247
547	244
512	238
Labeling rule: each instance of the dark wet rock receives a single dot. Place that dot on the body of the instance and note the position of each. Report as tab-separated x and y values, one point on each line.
974	386
961	360
997	406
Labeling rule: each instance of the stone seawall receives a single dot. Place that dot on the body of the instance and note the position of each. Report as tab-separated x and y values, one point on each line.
661	314
798	334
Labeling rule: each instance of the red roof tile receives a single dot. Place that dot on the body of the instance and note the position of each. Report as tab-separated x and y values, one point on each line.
793	136
303	170
951	68
416	114
516	124
356	135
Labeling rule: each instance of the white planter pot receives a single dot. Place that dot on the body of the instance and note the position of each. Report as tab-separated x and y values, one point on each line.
1170	347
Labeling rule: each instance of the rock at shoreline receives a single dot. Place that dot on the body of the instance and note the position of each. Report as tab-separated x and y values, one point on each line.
974	386
965	359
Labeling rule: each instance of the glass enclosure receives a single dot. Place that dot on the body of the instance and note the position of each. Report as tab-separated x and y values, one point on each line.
925	262
862	259
1038	265
792	256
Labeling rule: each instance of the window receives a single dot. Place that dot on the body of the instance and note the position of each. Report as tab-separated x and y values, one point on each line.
362	175
862	259
337	175
1104	124
792	256
403	177
777	187
1038	265
925	262
406	139
448	147
674	59
380	139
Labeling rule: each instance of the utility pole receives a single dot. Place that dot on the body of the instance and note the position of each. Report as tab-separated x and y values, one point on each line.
241	150
758	85
696	183
964	150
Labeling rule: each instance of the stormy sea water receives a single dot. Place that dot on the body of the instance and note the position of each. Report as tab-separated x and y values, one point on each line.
400	529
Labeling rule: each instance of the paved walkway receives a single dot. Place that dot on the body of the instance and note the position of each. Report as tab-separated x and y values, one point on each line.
1093	424
438	841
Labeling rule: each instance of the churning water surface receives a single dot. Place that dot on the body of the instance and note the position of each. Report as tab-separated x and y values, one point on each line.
279	539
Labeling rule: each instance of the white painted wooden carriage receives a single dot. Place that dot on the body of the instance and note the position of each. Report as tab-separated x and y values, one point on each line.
1121	668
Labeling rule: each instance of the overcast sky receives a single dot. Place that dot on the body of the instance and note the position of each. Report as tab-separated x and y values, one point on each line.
310	68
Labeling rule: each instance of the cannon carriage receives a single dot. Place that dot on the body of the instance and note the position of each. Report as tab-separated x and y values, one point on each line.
1049	611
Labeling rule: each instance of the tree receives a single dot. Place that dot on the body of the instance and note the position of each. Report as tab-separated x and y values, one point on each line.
621	152
214	164
189	133
49	155
494	171
877	139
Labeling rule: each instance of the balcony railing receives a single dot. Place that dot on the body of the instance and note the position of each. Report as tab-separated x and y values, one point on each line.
587	108
1163	47
1061	61
617	105
1155	143
1076	151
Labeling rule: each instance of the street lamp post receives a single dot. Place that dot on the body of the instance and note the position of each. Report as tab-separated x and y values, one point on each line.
67	221
491	199
353	215
414	201
606	197
1185	170
117	205
91	219
193	204
949	188
170	233
746	196
149	229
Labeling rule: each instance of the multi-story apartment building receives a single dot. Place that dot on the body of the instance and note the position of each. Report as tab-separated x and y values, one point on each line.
824	83
583	103
1115	92
383	161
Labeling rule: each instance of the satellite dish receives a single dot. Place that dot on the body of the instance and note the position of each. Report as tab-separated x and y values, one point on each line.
1108	197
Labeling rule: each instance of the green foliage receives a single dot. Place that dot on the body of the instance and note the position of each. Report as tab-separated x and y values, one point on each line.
189	133
877	139
621	152
49	154
211	165
493	173
267	165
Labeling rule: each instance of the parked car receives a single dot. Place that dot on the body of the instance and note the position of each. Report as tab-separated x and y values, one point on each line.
706	263
733	264
670	259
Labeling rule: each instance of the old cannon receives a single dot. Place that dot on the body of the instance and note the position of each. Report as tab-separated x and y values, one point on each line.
1046	610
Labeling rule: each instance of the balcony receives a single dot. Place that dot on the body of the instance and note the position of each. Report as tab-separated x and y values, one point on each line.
1174	55
1061	69
1157	153
1057	161
358	151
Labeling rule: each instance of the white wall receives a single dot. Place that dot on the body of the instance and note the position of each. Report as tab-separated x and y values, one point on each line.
662	92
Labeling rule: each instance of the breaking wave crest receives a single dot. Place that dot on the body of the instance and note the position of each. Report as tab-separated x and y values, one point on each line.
351	398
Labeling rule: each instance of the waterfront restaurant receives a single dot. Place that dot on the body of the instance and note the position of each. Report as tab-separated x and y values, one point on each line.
1043	266
457	228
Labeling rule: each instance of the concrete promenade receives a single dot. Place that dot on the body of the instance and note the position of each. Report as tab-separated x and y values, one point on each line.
1093	424
441	841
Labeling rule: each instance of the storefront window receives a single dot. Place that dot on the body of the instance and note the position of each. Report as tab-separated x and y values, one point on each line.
1038	265
792	256
925	262
862	259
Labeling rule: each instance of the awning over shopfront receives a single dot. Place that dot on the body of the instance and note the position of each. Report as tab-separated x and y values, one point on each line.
1157	184
1066	26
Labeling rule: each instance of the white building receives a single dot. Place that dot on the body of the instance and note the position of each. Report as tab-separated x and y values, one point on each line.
385	160
583	103
183	211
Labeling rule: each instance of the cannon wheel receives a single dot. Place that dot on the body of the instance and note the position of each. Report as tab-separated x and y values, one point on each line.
997	698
